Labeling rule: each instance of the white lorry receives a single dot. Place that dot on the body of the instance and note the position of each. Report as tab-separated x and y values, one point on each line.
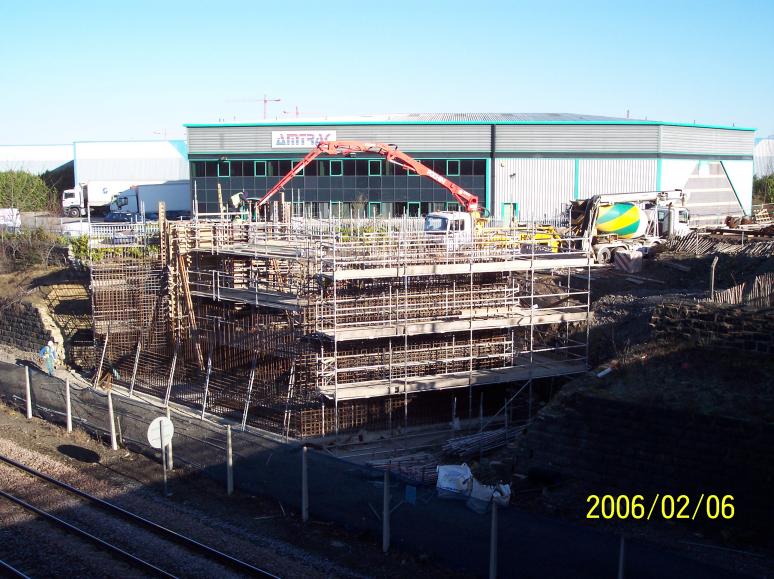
145	199
97	195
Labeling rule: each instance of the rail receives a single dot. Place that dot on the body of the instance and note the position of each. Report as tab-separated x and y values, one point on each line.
160	530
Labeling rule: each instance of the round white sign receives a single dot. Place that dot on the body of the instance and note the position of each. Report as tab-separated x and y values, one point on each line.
160	430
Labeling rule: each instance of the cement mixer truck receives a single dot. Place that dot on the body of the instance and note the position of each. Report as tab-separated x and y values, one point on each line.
628	221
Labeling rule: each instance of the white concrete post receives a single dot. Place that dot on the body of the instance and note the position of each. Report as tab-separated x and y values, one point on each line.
28	392
170	458
386	513
493	544
304	488
621	555
229	464
68	407
112	419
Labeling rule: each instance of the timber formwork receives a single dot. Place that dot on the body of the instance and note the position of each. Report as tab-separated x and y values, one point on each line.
315	327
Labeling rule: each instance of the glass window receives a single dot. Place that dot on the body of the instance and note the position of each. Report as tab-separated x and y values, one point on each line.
301	172
311	169
466	167
349	167
224	169
211	168
284	167
322	168
374	167
452	167
361	167
272	168
479	167
197	169
337	168
236	168
260	168
248	168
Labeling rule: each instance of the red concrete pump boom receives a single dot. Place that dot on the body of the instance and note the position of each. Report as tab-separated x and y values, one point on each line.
389	152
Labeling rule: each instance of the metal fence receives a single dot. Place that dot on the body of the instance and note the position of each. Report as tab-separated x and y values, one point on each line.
349	494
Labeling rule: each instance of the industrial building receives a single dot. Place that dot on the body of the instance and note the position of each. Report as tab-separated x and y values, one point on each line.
522	166
130	162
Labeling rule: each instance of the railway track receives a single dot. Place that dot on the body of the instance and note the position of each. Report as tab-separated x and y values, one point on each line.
143	562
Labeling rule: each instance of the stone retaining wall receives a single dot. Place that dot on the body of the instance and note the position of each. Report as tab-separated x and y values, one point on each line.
721	325
24	327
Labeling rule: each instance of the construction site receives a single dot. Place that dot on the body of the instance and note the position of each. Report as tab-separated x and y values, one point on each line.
307	328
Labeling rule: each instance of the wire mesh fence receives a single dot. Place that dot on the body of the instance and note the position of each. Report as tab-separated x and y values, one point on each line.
351	495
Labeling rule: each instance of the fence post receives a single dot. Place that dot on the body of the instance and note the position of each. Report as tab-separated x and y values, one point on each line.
712	277
386	512
68	407
170	459
304	488
229	463
28	392
112	418
493	544
621	555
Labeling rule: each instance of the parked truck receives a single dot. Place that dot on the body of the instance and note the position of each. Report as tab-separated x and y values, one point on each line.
97	195
628	221
145	199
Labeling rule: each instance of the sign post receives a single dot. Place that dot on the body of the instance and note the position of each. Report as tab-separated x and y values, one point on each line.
160	433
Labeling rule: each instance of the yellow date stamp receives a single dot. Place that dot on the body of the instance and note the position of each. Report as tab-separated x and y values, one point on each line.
663	506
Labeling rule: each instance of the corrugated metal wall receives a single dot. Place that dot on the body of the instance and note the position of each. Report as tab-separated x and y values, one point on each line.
539	186
577	138
706	141
599	176
139	161
428	138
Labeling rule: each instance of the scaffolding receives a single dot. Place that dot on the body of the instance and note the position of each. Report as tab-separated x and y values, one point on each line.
313	327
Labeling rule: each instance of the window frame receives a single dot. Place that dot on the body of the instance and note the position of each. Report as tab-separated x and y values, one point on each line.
340	165
379	161
255	169
448	171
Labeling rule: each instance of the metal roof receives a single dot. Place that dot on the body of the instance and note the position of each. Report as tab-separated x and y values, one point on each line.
461	119
34	159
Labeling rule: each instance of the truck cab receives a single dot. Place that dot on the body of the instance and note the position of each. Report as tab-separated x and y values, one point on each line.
673	221
453	228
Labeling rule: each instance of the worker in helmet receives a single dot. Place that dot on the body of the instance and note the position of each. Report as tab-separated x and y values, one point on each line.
48	353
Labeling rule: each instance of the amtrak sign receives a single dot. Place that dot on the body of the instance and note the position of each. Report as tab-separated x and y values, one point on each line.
301	139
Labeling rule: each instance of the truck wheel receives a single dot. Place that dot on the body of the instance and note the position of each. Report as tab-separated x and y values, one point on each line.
604	255
73	212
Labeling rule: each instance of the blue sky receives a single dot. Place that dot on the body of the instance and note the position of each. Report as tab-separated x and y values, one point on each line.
88	70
